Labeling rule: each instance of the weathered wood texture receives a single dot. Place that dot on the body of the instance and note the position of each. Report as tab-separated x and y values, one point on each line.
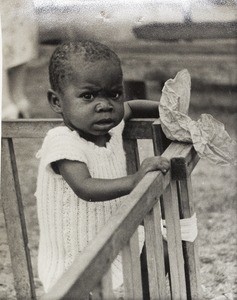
132	269
103	289
91	270
106	286
99	255
37	128
190	250
15	224
88	267
132	155
155	254
170	211
176	261
181	167
160	142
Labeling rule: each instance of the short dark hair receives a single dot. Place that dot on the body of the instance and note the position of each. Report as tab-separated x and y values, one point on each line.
60	65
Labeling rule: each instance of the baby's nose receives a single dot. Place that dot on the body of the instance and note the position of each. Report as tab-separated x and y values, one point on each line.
103	106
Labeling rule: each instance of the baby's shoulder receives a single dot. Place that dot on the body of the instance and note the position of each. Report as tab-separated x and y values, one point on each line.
60	143
61	136
59	130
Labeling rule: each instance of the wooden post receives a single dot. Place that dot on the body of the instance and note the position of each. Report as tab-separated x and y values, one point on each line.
132	269
15	224
132	155
155	254
110	242
103	290
181	171
96	293
160	142
177	273
106	286
192	267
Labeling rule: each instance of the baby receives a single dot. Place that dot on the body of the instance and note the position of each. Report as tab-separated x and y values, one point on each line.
82	177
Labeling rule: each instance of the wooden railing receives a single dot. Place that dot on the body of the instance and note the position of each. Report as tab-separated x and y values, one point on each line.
90	272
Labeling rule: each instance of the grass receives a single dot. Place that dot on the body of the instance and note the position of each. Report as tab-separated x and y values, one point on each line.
214	194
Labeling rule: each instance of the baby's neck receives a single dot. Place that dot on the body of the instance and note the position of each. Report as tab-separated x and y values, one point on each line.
99	140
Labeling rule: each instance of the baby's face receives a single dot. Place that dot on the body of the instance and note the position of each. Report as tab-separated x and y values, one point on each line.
92	103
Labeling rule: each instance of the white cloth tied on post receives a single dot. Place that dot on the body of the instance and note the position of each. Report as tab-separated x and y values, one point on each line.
188	228
208	135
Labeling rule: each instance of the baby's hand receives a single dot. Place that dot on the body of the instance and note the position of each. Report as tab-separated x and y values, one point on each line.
152	164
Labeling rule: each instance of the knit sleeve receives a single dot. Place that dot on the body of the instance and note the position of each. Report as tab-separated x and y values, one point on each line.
61	143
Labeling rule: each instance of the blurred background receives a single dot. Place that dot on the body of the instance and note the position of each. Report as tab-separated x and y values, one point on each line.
154	39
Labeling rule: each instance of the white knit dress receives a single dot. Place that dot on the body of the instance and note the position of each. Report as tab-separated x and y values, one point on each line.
68	223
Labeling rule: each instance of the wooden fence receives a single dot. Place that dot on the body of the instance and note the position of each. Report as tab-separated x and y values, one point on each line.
169	195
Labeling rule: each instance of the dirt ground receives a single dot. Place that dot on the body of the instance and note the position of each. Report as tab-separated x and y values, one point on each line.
214	193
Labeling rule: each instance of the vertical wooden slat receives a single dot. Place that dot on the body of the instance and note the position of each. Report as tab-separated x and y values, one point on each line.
96	293
104	289
132	269
15	224
106	285
160	142
177	273
155	254
192	268
132	155
130	253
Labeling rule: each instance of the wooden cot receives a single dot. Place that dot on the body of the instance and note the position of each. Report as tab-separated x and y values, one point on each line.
91	270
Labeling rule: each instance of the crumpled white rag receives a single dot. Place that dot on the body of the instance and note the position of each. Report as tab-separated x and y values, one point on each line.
208	135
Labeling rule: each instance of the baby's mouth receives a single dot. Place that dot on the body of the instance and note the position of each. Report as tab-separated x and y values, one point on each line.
105	122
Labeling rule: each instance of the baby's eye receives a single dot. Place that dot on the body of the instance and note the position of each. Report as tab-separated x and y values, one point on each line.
87	96
115	95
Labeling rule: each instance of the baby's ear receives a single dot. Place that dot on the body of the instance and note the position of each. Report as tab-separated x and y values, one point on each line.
54	101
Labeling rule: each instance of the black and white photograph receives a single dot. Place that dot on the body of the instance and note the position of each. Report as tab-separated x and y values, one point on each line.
118	149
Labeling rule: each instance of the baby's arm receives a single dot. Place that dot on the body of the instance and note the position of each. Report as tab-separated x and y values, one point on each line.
84	186
141	109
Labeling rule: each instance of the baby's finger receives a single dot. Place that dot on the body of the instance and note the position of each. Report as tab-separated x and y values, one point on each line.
164	170
164	166
164	160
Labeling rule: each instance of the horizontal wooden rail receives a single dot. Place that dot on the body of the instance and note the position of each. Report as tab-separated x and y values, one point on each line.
37	128
89	267
87	273
28	128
